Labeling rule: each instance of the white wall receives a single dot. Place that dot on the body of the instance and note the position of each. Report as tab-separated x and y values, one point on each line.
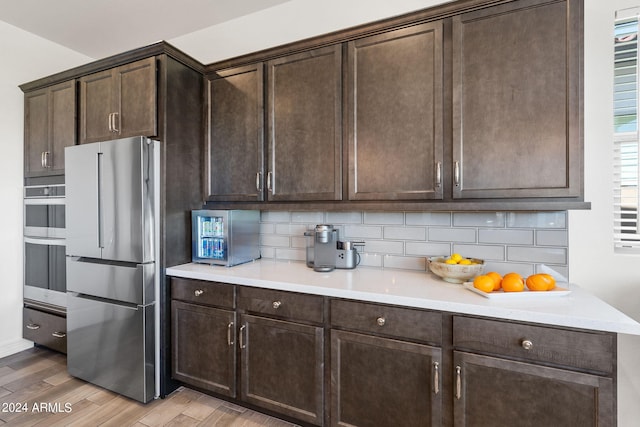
615	278
592	263
24	58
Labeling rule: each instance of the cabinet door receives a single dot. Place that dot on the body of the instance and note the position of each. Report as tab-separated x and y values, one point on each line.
204	347
236	135
379	382
36	131
135	108
282	367
63	123
395	115
119	103
497	392
305	133
50	125
96	107
516	108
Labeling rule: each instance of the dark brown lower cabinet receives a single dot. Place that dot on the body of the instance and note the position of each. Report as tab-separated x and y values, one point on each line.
282	367
386	365
496	392
203	347
381	382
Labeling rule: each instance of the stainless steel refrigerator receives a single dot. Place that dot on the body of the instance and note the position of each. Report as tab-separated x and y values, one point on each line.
112	278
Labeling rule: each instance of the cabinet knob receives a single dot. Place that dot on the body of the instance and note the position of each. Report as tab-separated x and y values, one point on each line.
198	292
381	321
527	344
277	304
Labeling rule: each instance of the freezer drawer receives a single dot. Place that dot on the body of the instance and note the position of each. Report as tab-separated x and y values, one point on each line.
111	345
129	283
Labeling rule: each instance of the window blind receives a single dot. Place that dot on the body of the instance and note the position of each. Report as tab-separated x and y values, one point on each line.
626	134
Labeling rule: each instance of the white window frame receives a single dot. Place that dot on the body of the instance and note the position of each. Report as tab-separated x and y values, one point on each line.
626	198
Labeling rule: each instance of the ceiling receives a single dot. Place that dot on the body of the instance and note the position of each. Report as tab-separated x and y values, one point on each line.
100	28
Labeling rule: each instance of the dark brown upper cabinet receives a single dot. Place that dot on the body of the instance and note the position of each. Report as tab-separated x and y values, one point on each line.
49	126
395	114
235	168
119	102
304	113
517	124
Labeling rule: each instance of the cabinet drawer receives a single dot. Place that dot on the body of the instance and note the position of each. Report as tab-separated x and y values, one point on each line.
202	292
290	305
583	350
45	329
387	320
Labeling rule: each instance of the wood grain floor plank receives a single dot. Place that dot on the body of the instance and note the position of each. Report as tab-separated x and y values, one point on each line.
39	376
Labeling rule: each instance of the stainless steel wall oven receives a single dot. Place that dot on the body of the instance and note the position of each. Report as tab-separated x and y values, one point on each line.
44	244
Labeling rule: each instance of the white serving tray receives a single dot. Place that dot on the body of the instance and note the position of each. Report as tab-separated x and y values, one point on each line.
558	291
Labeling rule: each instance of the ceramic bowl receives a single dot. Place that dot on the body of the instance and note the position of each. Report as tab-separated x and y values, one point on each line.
455	273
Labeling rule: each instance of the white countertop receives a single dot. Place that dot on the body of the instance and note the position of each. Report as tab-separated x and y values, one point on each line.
579	309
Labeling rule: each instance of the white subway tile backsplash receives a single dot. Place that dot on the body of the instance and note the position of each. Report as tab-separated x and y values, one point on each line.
275	216
479	219
405	233
274	240
507	241
405	262
384	247
308	217
537	220
486	252
428	218
552	238
384	218
427	249
344	217
545	255
452	234
508	236
356	232
290	229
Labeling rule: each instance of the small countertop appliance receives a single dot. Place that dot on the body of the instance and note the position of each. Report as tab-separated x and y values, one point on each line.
325	250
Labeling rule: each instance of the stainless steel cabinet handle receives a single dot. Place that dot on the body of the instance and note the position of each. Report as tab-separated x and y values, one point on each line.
436	377
110	125
59	334
438	174
381	321
42	160
229	329
277	304
242	344
258	186
115	127
456	173
33	326
269	178
46	159
527	344
458	382
198	292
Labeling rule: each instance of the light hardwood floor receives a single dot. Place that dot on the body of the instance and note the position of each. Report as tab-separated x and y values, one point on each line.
36	390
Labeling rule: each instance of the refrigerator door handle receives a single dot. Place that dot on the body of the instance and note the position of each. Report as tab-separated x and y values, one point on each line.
100	203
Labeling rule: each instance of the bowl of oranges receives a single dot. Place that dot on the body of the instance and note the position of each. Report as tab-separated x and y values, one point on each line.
455	268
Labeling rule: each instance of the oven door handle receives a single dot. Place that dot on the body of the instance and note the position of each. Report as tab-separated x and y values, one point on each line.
45	241
39	201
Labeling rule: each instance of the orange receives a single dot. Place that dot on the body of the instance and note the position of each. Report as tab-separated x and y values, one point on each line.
484	283
540	282
497	280
512	282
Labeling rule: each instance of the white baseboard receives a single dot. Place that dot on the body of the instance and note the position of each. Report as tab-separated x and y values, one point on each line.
9	348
